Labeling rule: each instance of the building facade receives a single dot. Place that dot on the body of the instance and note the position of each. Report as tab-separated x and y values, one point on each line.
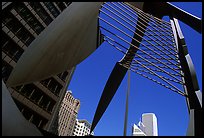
136	131
147	126
82	128
68	114
22	22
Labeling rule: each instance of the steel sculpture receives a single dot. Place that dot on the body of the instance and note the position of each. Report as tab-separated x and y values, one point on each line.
157	51
67	41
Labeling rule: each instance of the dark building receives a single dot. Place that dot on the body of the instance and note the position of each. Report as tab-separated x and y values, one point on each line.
22	22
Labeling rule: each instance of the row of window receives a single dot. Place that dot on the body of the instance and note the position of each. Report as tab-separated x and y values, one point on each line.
52	85
34	94
12	23
13	19
30	115
31	20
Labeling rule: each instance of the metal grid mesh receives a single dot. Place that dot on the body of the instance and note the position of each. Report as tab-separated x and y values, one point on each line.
157	56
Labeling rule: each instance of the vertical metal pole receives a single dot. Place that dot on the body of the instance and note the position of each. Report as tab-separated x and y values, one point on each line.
126	105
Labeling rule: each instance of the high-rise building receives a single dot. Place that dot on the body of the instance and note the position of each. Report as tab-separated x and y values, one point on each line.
68	114
82	128
148	126
22	23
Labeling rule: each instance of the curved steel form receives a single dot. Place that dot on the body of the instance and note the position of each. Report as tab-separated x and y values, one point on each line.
155	52
67	41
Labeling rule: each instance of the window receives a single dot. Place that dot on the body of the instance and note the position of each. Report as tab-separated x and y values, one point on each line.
41	12
25	13
17	28
6	70
61	5
52	8
11	48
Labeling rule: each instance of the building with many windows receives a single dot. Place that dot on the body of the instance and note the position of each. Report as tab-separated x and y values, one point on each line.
68	114
22	22
82	128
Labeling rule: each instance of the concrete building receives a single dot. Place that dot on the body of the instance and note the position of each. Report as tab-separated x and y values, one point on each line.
68	114
147	126
82	128
22	23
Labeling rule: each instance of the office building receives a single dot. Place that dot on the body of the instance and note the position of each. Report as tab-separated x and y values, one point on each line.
82	128
148	126
22	23
68	114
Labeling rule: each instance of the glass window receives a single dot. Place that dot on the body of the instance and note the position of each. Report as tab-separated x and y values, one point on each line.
52	8
17	28
41	12
11	48
61	5
25	13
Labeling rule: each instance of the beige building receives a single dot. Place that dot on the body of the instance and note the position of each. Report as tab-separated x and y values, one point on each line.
68	114
22	23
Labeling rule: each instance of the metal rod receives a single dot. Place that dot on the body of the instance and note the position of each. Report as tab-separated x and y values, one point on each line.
130	43
138	11
174	90
144	18
134	31
126	105
148	72
180	92
138	67
126	16
141	50
138	21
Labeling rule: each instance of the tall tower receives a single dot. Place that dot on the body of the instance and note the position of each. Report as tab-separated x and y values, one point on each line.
68	114
149	120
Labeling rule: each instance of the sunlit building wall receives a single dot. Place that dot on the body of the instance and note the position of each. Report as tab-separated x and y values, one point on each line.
82	128
68	114
136	131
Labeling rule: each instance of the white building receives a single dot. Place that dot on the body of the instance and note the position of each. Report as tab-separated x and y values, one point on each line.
136	131
82	128
148	126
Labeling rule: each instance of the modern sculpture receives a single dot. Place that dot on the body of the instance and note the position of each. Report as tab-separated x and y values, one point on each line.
152	37
157	49
68	40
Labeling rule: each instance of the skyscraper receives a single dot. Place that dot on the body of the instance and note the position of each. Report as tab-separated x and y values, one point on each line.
148	126
68	114
22	23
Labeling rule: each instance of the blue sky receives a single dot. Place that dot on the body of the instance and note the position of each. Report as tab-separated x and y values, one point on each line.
170	108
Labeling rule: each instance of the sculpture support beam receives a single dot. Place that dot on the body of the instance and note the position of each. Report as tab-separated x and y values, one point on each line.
194	95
